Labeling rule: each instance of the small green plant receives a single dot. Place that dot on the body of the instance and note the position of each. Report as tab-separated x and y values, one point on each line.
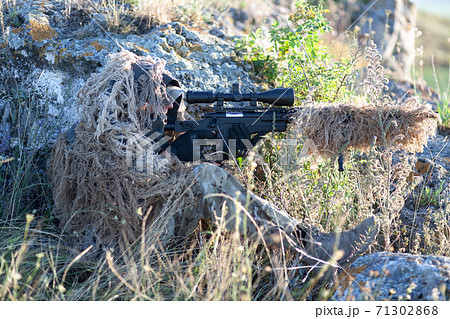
444	111
443	103
430	196
296	56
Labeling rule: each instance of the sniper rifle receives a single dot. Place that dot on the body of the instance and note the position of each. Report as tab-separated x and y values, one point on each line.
258	120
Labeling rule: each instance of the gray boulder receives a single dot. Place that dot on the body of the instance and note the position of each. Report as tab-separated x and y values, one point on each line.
389	276
391	24
50	53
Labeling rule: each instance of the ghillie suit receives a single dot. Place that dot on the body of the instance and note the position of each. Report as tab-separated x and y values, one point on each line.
108	196
334	128
101	193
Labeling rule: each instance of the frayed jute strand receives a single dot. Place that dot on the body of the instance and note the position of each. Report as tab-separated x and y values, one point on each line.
98	197
111	99
332	129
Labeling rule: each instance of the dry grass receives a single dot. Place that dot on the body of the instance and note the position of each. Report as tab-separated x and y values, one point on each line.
142	15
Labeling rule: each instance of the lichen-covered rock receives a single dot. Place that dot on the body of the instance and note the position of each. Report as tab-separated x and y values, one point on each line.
389	276
51	51
432	181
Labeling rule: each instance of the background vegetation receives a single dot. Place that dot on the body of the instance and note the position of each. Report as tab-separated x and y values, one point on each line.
36	264
434	42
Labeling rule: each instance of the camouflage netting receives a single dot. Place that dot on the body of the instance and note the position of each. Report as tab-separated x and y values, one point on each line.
99	198
331	129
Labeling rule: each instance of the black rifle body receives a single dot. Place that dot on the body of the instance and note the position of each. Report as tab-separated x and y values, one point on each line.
257	121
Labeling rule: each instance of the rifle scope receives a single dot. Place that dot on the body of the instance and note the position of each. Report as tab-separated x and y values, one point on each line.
278	97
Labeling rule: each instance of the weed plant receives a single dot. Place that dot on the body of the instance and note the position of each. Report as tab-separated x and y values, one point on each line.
443	104
296	56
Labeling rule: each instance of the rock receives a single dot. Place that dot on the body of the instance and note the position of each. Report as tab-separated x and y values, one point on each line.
389	276
424	221
391	24
438	150
433	166
402	90
51	53
432	172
